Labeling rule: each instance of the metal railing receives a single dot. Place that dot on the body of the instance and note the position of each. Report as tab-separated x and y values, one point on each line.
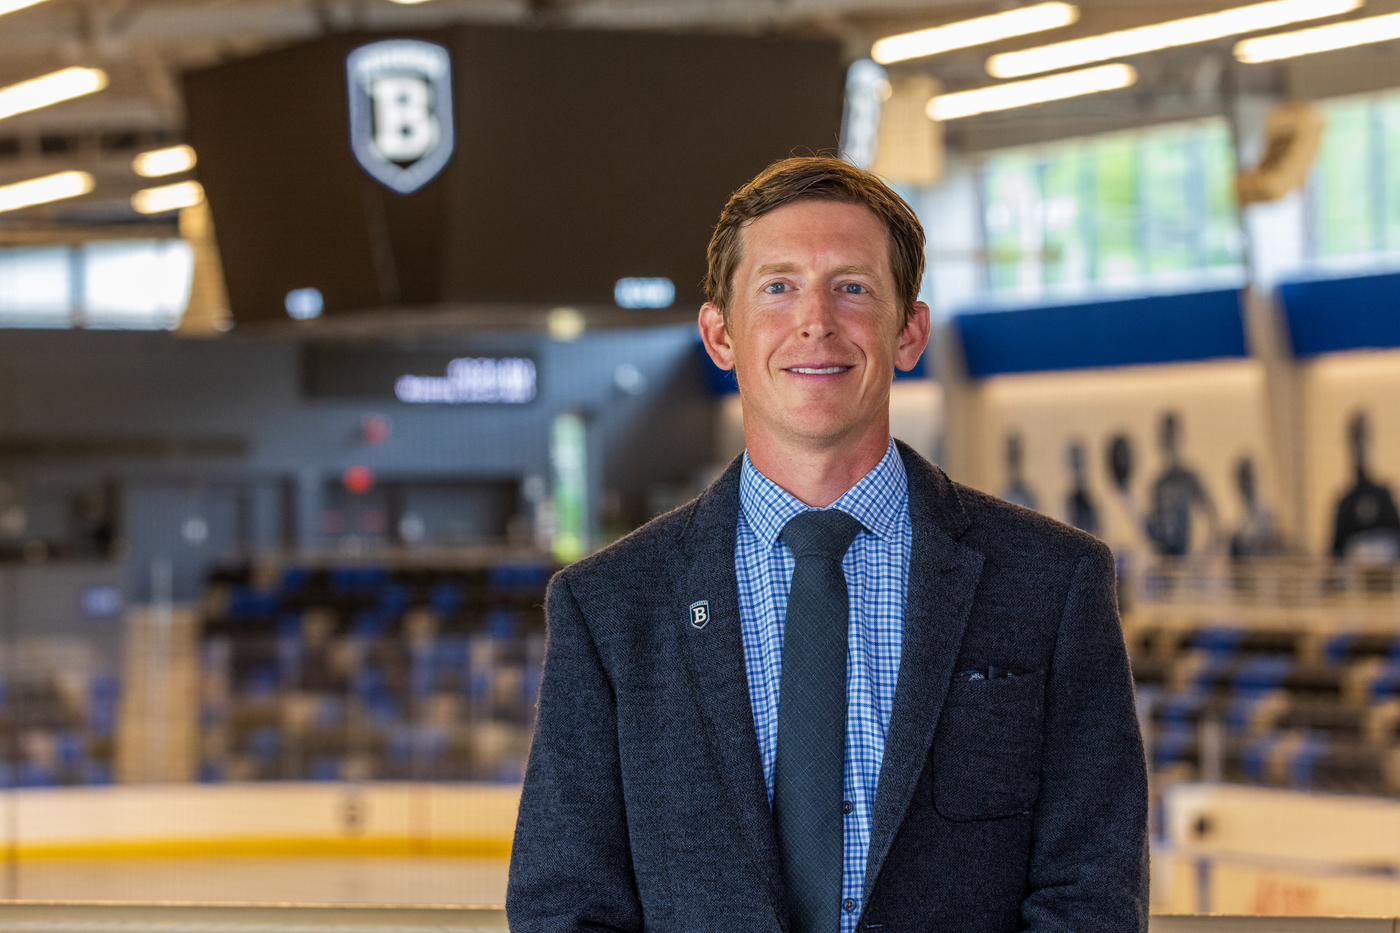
1309	594
32	917
1214	923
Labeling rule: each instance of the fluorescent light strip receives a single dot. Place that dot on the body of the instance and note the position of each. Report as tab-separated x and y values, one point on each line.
971	32
168	197
1034	91
1163	35
50	89
1319	39
45	189
9	6
167	161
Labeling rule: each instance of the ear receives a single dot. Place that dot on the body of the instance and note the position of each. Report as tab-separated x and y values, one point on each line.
715	336
913	338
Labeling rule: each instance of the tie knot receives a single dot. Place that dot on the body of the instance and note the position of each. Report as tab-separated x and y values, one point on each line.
827	533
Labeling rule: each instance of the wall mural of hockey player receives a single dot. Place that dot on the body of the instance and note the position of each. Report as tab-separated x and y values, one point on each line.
1257	536
1368	526
1079	507
1176	495
1016	491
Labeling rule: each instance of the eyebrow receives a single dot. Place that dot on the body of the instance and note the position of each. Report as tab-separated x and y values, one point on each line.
772	267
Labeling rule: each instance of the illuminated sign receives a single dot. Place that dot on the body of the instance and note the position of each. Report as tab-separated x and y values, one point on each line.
644	293
303	304
400	111
472	379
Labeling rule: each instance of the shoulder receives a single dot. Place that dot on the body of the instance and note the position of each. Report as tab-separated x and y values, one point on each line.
1041	582
1001	529
637	554
636	573
617	592
1003	533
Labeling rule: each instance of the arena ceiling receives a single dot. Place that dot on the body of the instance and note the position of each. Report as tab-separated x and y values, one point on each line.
144	45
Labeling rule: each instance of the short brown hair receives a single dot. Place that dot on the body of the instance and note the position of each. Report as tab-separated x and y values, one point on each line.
816	178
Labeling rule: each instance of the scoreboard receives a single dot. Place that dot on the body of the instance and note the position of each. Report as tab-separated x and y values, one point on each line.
488	165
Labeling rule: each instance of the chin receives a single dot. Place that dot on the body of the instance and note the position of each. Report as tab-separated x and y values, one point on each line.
822	431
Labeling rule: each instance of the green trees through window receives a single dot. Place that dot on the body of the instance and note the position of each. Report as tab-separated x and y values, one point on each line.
1127	210
1353	195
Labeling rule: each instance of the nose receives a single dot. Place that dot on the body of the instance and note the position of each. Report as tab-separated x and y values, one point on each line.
816	314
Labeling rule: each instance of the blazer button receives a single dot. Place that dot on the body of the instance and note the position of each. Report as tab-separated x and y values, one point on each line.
845	806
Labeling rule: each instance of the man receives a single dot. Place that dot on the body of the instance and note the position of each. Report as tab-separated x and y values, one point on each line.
697	764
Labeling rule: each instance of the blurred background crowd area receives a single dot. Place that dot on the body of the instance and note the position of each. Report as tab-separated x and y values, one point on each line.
328	332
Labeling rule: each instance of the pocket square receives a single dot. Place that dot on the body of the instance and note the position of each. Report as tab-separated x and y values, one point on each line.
991	673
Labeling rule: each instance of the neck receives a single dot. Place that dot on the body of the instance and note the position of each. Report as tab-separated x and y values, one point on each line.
817	473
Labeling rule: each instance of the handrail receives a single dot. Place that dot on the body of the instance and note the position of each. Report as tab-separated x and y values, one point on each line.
1216	923
108	917
1312	867
97	917
1312	594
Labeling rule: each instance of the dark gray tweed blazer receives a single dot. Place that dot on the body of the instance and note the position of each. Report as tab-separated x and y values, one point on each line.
1018	803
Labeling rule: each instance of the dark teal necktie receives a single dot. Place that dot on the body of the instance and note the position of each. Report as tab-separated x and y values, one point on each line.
808	768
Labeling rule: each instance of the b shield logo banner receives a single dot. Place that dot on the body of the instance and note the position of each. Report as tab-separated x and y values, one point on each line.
400	110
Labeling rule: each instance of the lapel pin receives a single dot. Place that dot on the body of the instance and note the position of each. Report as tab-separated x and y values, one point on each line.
700	613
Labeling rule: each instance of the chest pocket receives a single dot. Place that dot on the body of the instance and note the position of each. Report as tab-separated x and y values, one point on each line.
986	752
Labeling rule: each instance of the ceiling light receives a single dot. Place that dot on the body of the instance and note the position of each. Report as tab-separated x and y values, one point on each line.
45	189
565	324
9	6
1034	91
1163	35
168	197
1319	39
50	89
159	162
977	31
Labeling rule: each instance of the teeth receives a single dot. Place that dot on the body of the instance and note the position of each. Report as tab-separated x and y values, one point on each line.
820	372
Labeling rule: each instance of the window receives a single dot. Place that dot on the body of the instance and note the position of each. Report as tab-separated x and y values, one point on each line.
1353	193
127	284
36	287
1123	211
136	283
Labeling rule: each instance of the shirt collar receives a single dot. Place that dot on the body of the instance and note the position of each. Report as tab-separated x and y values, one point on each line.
876	501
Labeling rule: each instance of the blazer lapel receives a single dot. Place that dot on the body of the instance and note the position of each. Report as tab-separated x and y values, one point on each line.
943	577
715	661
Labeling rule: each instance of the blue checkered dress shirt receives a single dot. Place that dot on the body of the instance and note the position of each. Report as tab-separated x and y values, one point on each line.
877	578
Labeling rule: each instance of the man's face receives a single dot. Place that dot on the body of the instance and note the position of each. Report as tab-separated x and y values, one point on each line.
815	329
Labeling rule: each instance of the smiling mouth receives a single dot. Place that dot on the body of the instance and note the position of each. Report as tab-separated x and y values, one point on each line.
818	371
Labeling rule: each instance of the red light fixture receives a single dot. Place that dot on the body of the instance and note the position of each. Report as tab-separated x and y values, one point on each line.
358	479
375	429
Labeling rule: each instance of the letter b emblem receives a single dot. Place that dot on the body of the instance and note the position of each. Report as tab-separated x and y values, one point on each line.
404	125
400	110
700	613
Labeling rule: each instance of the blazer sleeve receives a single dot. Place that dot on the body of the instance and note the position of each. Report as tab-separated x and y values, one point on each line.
1089	868
571	865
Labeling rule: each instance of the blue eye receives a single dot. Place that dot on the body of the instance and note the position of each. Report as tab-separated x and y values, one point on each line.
853	288
777	288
